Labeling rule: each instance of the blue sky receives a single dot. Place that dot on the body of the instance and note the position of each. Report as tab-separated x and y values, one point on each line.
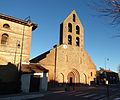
48	14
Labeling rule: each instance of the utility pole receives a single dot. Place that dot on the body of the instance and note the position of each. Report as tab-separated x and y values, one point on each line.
26	21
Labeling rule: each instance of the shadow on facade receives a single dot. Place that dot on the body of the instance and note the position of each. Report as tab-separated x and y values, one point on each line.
9	79
53	85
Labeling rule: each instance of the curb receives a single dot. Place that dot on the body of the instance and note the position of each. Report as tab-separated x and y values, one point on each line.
21	97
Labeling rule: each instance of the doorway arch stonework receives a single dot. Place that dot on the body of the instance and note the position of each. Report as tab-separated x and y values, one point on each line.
73	76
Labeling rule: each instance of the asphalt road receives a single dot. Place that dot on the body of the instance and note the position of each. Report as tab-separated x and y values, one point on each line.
84	93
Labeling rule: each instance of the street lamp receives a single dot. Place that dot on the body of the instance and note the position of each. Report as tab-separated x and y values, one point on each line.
28	21
106	59
16	47
25	21
106	81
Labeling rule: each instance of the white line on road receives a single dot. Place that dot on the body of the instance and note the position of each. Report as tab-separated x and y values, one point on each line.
75	93
89	95
55	92
98	97
81	94
68	92
58	92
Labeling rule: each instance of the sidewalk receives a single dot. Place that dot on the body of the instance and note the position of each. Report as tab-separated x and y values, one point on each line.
21	96
114	97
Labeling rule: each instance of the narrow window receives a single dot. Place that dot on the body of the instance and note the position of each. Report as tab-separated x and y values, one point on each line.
80	60
6	26
66	58
77	29
70	39
91	74
77	41
69	27
73	17
4	38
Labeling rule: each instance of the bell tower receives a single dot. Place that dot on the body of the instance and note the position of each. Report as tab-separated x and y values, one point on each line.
71	31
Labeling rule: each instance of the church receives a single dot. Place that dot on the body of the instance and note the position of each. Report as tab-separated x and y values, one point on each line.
68	62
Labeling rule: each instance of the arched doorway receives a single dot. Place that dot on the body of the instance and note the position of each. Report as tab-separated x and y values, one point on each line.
73	77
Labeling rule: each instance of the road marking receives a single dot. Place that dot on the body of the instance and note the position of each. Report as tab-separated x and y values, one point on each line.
81	94
98	97
75	93
68	92
55	92
91	87
58	92
117	99
89	95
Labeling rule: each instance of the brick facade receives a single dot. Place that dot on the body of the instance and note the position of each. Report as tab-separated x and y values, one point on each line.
68	62
15	28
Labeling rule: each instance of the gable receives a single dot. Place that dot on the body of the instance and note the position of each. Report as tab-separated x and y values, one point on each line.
70	18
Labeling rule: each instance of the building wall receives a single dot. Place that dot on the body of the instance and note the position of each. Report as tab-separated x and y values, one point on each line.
26	78
68	60
44	82
25	82
10	52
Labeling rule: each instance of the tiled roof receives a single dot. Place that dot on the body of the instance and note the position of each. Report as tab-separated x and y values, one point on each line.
17	20
39	57
33	68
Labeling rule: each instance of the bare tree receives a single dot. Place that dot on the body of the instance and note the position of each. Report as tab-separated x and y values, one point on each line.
112	10
109	9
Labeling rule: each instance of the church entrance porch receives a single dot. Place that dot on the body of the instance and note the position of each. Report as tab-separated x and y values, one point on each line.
73	77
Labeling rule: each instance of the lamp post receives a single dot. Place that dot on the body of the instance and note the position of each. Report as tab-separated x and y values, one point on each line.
106	59
106	81
28	21
16	47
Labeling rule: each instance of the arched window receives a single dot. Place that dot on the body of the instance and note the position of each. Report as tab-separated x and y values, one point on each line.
70	39
6	26
77	29
4	38
74	17
77	41
69	27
